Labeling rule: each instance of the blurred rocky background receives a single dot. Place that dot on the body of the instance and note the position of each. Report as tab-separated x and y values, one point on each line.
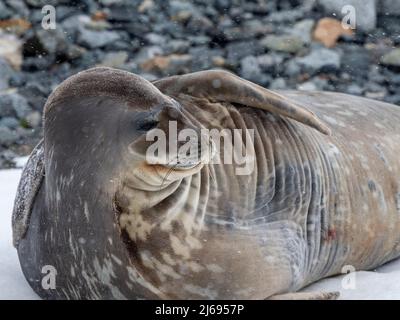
280	44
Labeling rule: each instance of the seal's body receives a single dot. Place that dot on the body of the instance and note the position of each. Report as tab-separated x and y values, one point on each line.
114	226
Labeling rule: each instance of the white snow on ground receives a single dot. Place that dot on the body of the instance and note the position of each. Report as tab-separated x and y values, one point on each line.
382	284
12	282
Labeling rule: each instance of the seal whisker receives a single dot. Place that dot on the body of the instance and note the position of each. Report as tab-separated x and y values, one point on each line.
167	174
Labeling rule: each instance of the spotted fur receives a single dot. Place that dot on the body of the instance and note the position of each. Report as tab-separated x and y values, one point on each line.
116	227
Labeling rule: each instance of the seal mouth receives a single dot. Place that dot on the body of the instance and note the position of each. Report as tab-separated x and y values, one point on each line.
204	155
183	167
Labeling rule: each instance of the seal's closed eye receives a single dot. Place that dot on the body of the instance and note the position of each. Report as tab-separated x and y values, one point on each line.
146	124
145	121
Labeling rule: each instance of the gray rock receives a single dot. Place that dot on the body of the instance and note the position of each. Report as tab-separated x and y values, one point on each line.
89	33
149	76
6	109
250	70
285	16
35	95
176	46
74	24
200	23
392	77
176	7
355	60
64	12
38	63
391	25
7	136
155	39
19	8
200	40
123	12
391	7
375	91
255	28
365	11
320	59
107	3
284	43
121	45
229	33
6	73
7	158
354	89
278	84
392	58
236	51
41	3
5	13
138	29
36	16
96	39
307	86
179	64
395	99
115	59
375	75
13	104
21	106
202	57
292	68
53	41
9	122
147	53
313	84
270	62
74	51
18	79
303	30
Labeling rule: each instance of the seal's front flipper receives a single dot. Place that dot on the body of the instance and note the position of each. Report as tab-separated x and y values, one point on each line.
224	86
306	296
29	185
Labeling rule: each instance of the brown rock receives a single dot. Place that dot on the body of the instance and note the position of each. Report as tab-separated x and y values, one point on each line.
18	26
156	63
174	63
329	30
99	16
219	61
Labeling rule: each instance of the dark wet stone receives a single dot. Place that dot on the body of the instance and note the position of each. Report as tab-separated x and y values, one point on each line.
14	105
355	60
250	69
9	122
238	50
8	136
202	57
6	73
19	7
320	60
5	13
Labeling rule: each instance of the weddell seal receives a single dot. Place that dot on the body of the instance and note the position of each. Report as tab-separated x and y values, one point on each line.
323	191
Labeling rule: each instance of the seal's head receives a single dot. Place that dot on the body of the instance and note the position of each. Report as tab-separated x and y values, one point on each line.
122	122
